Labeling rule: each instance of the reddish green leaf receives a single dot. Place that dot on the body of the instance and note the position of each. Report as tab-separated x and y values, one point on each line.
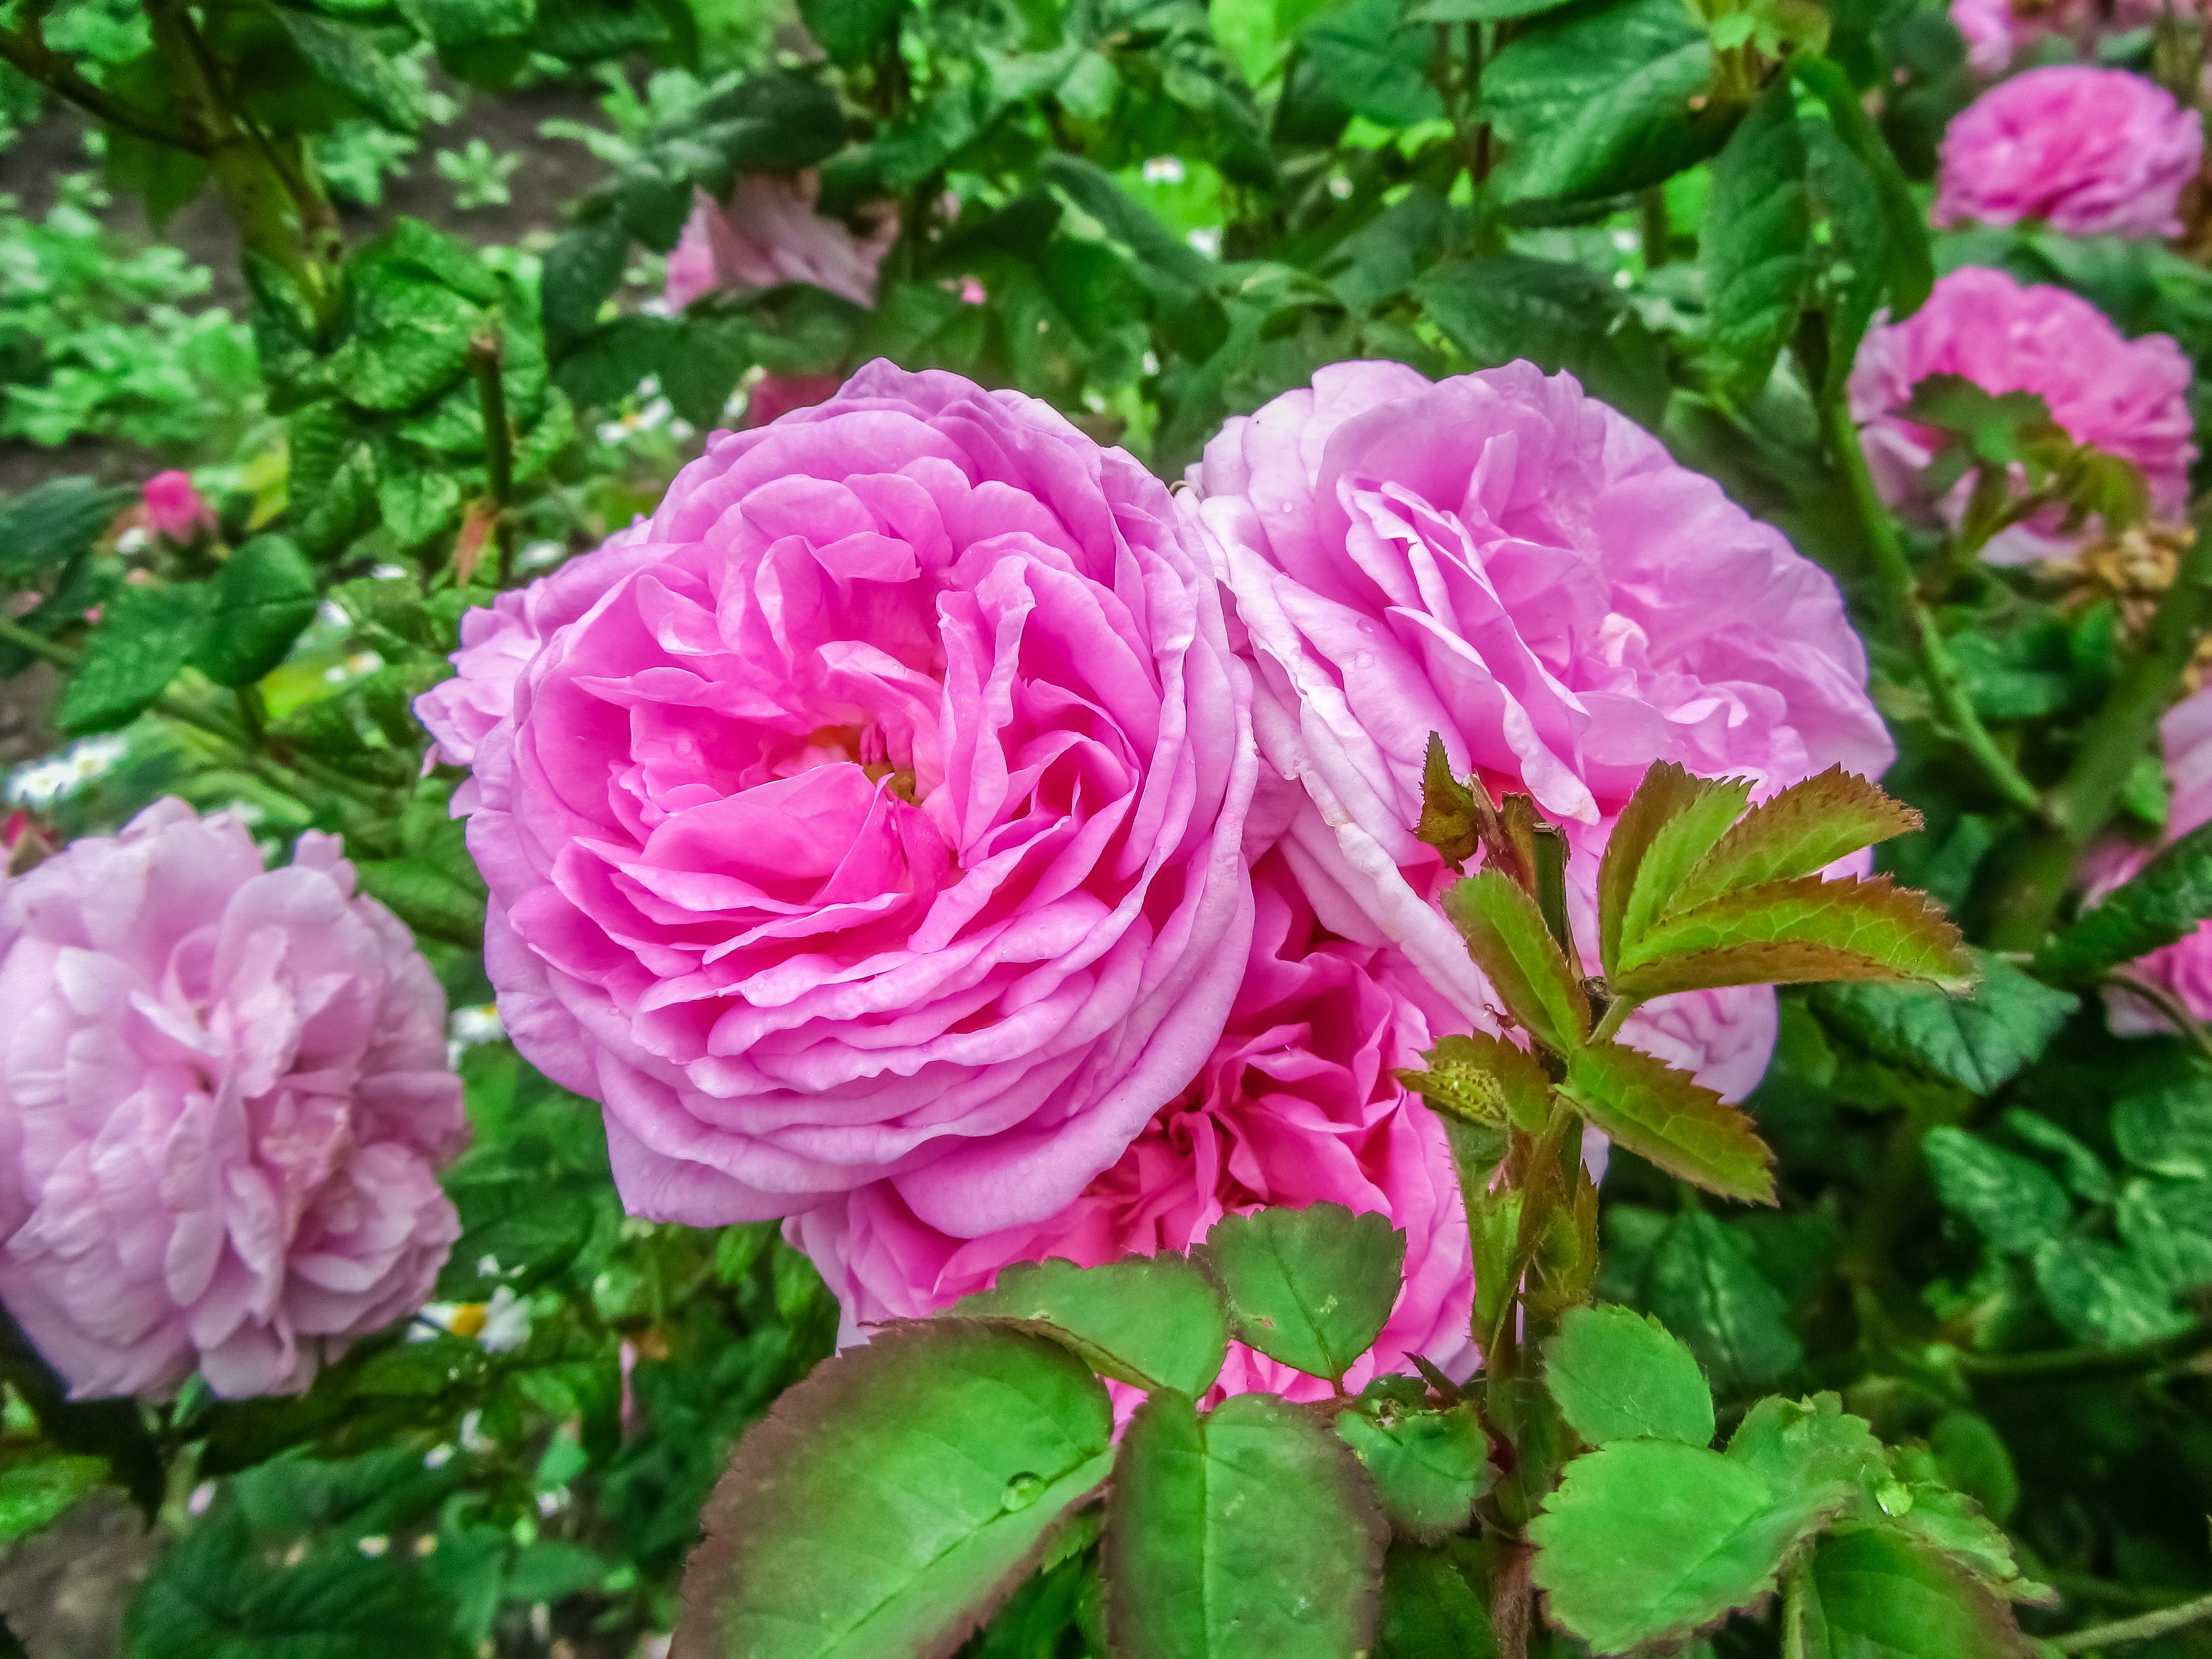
1483	1079
1802	830
1506	936
1668	1117
1312	1288
1448	821
1678	847
1792	931
1667	791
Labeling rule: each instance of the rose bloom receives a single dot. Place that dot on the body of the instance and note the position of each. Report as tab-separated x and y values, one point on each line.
174	508
2094	152
2184	967
871	813
768	234
2129	398
223	1099
1296	1105
1512	565
1996	34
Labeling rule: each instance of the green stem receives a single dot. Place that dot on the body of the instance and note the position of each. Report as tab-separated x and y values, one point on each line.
498	447
2138	1629
1615	1015
28	52
2168	1004
2059	1364
36	644
1946	685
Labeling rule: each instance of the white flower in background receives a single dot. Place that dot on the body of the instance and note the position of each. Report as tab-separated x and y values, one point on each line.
1164	170
39	784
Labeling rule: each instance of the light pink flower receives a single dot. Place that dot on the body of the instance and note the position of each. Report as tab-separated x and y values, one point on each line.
1990	30
2094	152
768	234
873	813
1505	562
174	508
1996	35
2129	398
1296	1105
2183	968
223	1099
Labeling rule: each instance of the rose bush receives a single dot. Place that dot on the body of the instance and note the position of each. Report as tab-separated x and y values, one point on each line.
872	812
223	1099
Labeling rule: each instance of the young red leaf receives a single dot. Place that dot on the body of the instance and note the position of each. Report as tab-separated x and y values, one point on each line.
1678	847
1666	792
1802	830
1506	936
1668	1117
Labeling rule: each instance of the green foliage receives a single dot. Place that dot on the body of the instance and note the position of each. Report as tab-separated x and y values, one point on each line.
2162	902
1620	1376
1311	1287
1152	1322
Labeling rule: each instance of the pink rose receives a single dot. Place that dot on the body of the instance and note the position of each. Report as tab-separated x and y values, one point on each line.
777	395
1296	1105
767	233
223	1099
174	508
1988	26
873	813
2094	152
1501	560
2130	397
2183	968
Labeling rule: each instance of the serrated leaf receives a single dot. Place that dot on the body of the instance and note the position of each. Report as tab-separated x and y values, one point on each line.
1448	821
2082	1169
1561	316
889	1501
348	58
2104	1296
1155	1322
1618	1375
1249	1530
1483	1079
1815	1441
1797	932
1311	1288
1666	792
1702	1283
1868	1594
1669	1118
56	522
1372	61
1979	1041
1505	934
2167	1128
429	900
2163	904
1909	272
37	1491
1428	1466
263	596
1648	1541
1430	1610
1797	833
1756	245
1707	806
145	636
2012	1202
852	32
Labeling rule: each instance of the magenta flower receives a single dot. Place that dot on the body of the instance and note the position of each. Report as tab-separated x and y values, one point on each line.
767	233
2185	968
2130	397
1503	561
1296	1105
223	1099
2094	152
873	813
174	508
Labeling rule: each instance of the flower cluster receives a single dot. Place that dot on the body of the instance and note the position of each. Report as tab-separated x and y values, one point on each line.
925	829
2184	970
223	1100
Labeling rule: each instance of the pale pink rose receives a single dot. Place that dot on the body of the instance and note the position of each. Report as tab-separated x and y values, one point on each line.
2183	968
768	234
1996	35
1989	28
2129	398
872	812
223	1099
1296	1105
1505	561
174	508
2092	152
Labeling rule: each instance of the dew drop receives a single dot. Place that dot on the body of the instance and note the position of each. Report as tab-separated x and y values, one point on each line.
1022	1491
1894	1497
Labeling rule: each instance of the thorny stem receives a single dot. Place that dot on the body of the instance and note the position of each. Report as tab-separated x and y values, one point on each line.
2138	1629
1938	667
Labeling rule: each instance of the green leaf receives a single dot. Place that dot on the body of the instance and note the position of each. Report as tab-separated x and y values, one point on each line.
1979	1042
1156	1321
1311	1288
889	1501
1998	428
1974	1458
55	522
1800	1442
581	274
1505	934
1559	315
145	636
1430	1610
1909	271
1756	244
702	365
852	32
1797	833
1482	1079
607	363
1372	62
1449	822
417	506
37	1491
1868	1594
1666	792
1792	931
1668	1117
1595	99
1249	1530
2012	1202
1703	1283
2163	904
265	594
1648	1541
348	58
1618	1375
1703	809
408	337
2166	1128
1428	1466
2103	1295
429	900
